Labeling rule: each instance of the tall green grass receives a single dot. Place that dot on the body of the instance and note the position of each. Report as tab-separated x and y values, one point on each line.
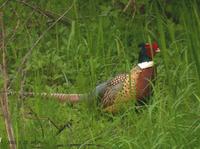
100	43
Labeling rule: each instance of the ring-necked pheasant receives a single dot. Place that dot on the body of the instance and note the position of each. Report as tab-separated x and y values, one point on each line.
134	85
121	88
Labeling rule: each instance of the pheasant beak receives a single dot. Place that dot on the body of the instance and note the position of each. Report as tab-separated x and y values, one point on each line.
157	50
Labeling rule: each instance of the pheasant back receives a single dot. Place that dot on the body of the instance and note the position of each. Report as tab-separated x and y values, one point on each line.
121	88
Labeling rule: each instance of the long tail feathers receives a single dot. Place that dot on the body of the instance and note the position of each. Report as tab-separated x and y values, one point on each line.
71	98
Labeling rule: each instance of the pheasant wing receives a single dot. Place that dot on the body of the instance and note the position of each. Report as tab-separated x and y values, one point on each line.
113	87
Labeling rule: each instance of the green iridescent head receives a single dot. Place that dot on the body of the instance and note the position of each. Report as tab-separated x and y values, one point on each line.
147	52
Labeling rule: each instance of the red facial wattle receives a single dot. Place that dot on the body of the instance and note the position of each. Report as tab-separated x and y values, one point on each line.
151	50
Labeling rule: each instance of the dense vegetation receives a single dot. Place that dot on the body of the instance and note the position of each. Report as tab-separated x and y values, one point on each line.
98	41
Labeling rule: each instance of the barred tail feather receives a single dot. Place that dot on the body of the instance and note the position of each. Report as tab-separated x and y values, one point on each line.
72	98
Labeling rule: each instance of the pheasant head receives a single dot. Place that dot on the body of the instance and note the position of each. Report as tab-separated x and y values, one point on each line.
147	52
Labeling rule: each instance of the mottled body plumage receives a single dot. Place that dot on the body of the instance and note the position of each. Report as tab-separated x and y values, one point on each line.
122	88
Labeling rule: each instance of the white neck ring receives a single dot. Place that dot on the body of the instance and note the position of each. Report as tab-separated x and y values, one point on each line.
145	65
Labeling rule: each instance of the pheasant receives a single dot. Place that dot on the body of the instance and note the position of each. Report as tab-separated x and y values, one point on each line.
134	85
122	87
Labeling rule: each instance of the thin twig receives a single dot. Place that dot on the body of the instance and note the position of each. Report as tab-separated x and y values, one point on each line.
45	13
38	119
66	125
127	5
38	40
43	118
4	97
3	4
60	128
26	57
132	4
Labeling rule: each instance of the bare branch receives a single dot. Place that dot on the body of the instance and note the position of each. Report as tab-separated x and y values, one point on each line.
26	57
49	14
4	97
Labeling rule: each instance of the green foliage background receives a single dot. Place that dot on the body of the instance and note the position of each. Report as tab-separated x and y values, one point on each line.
101	42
